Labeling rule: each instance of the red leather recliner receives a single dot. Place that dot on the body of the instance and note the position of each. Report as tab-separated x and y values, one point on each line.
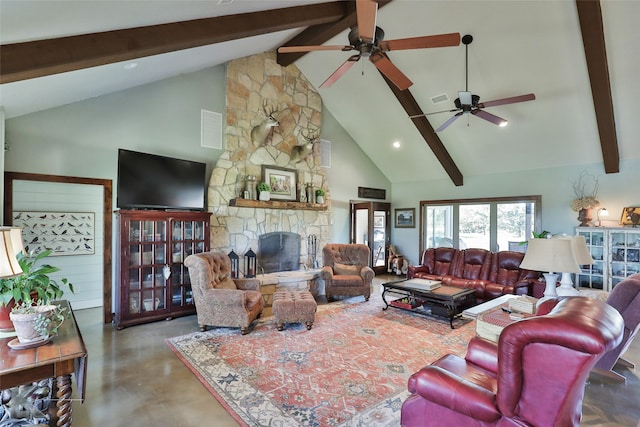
534	376
436	263
507	277
471	271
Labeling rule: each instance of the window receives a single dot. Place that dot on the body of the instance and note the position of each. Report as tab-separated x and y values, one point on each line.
495	224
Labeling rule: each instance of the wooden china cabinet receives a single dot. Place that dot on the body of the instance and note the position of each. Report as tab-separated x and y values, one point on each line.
153	282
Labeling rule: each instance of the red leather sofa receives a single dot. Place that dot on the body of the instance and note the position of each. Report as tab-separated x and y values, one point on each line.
534	376
491	274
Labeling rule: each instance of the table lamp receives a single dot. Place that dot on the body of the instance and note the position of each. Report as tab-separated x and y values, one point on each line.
582	257
10	244
550	255
601	212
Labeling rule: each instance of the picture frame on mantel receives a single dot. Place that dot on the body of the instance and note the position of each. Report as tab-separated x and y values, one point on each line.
283	182
405	218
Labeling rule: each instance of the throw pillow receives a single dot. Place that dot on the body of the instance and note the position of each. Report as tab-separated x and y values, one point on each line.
345	269
227	283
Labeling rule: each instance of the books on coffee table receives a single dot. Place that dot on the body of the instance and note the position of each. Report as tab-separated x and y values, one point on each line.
422	284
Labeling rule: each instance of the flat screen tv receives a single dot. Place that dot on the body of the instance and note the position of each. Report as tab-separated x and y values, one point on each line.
149	181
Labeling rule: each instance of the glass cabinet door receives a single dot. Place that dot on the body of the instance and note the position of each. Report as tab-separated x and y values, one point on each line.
592	276
147	245
625	255
187	237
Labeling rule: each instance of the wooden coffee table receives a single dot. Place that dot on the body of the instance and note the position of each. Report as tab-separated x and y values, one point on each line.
450	299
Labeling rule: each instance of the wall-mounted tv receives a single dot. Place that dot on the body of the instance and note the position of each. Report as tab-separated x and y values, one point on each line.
149	181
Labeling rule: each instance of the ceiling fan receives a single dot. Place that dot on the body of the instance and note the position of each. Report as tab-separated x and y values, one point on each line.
367	39
469	103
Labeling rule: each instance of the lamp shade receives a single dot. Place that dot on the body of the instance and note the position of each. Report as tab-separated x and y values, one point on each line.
552	255
9	266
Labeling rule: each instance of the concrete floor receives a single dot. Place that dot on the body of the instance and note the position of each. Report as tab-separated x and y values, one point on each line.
134	379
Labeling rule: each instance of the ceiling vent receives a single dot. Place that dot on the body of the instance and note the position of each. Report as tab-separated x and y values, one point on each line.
440	98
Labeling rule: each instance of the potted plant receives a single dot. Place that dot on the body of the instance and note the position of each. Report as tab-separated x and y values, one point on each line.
320	195
36	323
264	191
33	284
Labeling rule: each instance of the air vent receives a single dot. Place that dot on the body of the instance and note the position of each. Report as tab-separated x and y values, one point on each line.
440	98
211	130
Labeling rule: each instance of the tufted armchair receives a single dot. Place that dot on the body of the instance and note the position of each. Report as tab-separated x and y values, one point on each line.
219	300
534	376
507	277
346	270
625	297
436	263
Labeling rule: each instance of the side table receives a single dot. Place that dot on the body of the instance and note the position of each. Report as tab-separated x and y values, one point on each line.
66	354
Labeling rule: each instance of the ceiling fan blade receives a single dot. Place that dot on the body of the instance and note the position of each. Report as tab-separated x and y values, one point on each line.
430	114
511	100
393	73
448	122
489	117
346	65
294	49
366	11
440	40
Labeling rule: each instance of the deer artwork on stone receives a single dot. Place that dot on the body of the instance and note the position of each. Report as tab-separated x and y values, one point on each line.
260	133
300	152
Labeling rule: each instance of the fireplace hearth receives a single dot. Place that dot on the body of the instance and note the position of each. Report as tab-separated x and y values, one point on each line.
278	251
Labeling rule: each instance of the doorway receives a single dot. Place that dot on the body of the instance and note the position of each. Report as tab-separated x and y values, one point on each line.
370	225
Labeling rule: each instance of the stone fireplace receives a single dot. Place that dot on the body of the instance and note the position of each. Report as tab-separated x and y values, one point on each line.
252	82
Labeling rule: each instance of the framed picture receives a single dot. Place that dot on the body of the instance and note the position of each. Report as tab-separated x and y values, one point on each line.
630	216
282	181
378	221
405	218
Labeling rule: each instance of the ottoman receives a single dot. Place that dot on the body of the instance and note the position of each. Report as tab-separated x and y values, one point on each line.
294	307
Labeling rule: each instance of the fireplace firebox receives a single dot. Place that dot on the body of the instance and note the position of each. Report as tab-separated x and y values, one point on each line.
278	251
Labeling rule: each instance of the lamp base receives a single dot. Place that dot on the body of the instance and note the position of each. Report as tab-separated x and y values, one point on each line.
550	288
566	288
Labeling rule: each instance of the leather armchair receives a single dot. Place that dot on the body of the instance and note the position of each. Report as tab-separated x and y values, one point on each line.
625	297
534	376
219	300
346	270
507	277
436	263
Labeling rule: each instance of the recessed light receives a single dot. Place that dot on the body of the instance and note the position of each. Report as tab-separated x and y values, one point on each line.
130	65
503	123
396	144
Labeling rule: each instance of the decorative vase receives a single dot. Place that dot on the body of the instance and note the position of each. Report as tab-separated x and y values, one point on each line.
6	325
265	196
584	216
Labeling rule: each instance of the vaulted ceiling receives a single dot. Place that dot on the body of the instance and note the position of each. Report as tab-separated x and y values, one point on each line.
577	57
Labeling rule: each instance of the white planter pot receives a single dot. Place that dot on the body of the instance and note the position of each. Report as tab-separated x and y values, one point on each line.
24	324
320	199
265	196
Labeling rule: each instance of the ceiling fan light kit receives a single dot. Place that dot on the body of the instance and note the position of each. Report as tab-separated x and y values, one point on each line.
468	103
368	40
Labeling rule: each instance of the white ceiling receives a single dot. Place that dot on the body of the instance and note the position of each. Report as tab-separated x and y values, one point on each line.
519	47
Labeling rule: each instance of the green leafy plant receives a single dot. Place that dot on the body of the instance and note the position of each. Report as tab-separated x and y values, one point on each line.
542	235
320	192
33	280
263	186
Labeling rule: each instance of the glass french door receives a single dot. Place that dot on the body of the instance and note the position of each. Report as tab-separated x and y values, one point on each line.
370	225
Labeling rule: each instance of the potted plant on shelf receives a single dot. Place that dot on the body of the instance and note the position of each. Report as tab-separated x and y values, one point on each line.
33	284
264	191
320	195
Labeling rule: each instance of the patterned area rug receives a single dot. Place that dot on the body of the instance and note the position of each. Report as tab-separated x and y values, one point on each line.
351	369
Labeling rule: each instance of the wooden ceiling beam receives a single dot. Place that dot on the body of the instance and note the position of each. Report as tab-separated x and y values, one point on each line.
412	108
590	16
27	60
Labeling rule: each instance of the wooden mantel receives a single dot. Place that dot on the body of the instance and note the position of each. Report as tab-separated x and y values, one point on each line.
277	204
